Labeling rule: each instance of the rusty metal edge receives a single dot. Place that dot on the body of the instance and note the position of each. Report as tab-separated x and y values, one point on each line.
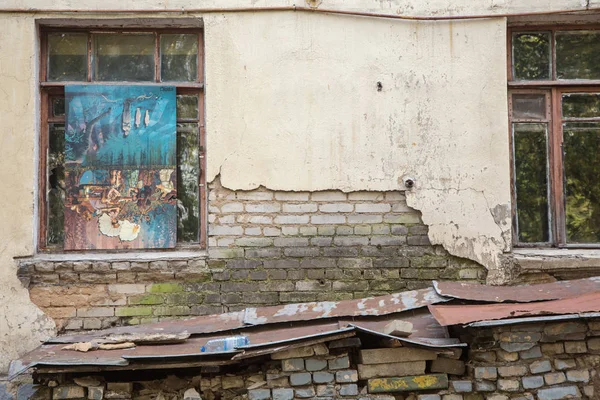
524	320
200	354
405	340
301	338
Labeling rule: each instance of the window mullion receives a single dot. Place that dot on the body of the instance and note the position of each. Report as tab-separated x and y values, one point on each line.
557	168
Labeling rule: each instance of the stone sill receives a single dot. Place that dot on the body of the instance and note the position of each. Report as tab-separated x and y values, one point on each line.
141	256
551	260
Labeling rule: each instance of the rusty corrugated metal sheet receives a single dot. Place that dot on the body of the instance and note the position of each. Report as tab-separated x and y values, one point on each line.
464	314
370	306
422	342
518	294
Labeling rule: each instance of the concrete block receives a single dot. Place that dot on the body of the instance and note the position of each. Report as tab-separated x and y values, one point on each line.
368	371
408	383
395	355
448	366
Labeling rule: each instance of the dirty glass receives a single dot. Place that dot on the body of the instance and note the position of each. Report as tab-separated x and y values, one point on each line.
67	56
531	173
179	57
56	184
58	106
187	106
529	106
581	105
578	55
124	57
581	146
531	55
188	169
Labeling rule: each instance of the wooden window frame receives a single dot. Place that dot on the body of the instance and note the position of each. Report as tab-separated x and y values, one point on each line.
553	89
51	89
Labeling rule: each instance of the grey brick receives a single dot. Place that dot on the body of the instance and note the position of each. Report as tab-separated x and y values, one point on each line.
582	375
329	195
292	364
340	252
232	208
462	386
300	379
305	392
373	208
263	253
350	240
240	287
226	253
318	263
291	242
325	391
365	219
336	207
563	364
68	392
485	386
254	242
538	367
418	241
225	230
243	264
292	219
339	363
555	378
488	373
259	394
321	241
278	286
263	207
315	364
281	264
292	196
328	219
312	286
299	208
388	240
344	230
358	263
558	393
254	195
302	252
346	376
534	352
322	377
349	389
532	382
283	394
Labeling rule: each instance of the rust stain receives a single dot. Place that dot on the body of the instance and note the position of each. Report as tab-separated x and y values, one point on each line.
448	315
517	294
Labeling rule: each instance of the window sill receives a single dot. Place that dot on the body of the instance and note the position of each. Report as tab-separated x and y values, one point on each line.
556	260
141	256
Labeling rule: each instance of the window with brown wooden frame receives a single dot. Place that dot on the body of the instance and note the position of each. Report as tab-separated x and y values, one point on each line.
554	107
133	56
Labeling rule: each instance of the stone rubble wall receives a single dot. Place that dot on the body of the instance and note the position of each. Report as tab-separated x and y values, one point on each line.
264	248
544	361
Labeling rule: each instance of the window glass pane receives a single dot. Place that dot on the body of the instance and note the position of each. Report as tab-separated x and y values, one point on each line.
578	55
531	173
188	169
67	57
58	106
124	57
582	186
531	55
581	105
179	57
187	106
529	106
56	184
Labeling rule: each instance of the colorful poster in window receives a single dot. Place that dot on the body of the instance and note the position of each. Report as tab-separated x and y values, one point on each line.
120	167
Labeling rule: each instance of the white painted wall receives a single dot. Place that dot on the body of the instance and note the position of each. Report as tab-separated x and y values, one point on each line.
292	104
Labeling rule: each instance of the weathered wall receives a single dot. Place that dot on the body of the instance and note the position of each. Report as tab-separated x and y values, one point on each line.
22	325
265	248
292	104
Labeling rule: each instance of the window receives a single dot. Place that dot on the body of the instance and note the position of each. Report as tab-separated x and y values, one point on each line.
554	104
136	56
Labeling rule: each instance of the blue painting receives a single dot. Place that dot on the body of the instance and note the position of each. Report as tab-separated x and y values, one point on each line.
121	167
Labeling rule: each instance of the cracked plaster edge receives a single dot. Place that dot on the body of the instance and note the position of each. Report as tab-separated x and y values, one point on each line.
492	252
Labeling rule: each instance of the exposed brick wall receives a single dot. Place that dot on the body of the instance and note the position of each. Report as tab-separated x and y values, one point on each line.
265	247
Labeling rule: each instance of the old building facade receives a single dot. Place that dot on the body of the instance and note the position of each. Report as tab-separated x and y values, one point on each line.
339	150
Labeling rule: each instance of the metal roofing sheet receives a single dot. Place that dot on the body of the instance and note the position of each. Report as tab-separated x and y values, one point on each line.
517	294
465	314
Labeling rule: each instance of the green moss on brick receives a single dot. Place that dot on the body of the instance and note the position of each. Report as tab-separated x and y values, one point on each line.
147	299
173	310
133	311
166	288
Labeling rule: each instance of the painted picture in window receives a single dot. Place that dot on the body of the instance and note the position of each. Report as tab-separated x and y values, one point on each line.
120	167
